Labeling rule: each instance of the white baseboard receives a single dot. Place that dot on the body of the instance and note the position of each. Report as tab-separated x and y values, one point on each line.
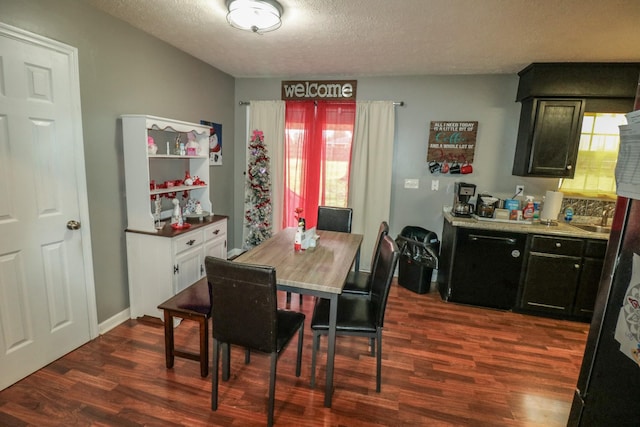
114	321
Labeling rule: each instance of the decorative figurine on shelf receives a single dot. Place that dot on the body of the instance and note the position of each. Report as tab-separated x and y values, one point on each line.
187	179
193	148
190	206
198	210
176	217
152	148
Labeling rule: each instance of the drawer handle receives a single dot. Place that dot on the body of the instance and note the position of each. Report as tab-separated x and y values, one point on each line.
508	240
576	266
216	231
191	242
558	245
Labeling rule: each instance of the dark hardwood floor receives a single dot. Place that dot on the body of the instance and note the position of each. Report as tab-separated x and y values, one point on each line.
443	365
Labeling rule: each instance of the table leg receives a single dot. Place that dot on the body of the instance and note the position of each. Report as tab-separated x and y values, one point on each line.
331	351
168	338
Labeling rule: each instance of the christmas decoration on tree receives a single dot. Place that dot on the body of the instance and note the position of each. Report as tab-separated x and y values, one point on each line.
258	193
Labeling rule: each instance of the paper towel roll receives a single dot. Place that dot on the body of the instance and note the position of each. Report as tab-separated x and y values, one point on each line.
552	206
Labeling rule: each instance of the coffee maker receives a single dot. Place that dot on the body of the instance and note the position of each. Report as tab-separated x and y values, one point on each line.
462	193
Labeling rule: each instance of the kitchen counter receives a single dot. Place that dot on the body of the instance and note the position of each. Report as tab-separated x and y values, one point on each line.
562	229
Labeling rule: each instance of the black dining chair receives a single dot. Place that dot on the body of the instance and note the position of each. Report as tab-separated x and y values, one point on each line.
359	282
360	316
332	218
245	313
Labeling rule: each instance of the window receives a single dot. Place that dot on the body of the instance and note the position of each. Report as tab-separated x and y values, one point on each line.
318	138
597	155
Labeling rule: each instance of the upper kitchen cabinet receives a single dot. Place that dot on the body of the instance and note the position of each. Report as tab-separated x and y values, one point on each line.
548	137
554	98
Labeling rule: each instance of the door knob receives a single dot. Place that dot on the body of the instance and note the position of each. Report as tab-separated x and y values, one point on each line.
73	224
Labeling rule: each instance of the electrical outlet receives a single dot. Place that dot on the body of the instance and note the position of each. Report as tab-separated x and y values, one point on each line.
411	183
519	190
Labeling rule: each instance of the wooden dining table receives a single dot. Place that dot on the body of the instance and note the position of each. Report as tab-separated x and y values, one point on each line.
319	271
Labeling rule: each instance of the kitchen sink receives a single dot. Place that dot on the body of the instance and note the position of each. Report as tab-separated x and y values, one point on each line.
592	227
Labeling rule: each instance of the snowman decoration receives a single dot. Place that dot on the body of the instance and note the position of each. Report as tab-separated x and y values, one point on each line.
176	217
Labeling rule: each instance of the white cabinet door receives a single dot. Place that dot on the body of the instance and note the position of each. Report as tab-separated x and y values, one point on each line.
189	268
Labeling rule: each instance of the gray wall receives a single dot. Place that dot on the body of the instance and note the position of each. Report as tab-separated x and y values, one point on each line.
488	99
125	71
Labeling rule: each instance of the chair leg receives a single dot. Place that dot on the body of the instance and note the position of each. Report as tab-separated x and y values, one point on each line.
357	263
247	356
214	375
379	359
288	297
300	342
300	299
226	361
272	388
372	344
315	346
204	347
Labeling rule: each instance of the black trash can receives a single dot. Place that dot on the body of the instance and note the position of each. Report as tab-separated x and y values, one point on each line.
418	257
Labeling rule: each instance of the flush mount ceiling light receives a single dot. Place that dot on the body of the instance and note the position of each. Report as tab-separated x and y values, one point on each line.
258	16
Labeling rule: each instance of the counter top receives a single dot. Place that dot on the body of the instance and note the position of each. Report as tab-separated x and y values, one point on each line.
562	229
167	231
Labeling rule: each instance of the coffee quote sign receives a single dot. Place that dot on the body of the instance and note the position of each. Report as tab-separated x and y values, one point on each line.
453	142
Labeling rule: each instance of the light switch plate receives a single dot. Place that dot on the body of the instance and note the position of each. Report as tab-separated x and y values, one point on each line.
411	183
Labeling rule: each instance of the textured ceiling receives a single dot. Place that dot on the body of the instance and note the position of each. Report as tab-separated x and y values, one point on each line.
394	37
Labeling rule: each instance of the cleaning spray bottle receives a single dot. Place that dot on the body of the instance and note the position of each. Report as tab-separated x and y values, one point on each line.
527	212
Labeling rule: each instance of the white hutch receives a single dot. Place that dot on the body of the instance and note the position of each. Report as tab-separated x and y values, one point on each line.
163	260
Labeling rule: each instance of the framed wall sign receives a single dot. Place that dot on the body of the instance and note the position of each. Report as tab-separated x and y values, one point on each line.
452	141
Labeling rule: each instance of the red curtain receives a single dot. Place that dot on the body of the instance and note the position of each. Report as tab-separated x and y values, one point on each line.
318	138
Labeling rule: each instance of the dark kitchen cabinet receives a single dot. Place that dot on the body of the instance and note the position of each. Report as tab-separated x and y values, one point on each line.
592	264
554	97
561	276
480	267
548	137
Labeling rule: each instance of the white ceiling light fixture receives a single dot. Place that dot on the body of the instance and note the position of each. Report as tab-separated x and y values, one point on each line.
258	16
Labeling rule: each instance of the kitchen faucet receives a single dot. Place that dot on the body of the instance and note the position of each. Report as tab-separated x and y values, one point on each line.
605	215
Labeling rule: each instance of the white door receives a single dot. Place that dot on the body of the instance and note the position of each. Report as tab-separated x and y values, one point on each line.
47	296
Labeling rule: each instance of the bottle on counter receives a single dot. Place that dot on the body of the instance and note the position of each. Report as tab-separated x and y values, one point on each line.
527	212
568	214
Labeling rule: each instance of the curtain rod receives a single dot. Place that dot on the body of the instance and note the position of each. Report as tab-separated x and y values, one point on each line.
396	103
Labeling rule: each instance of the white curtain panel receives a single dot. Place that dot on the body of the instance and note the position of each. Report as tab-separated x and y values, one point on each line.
370	178
268	116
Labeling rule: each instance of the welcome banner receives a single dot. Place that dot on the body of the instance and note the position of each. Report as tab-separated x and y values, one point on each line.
327	90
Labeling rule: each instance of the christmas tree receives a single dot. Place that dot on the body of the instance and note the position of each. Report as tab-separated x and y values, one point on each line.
258	193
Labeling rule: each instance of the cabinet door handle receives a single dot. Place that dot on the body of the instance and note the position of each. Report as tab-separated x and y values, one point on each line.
508	240
558	245
176	269
569	167
191	242
201	269
216	231
576	266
